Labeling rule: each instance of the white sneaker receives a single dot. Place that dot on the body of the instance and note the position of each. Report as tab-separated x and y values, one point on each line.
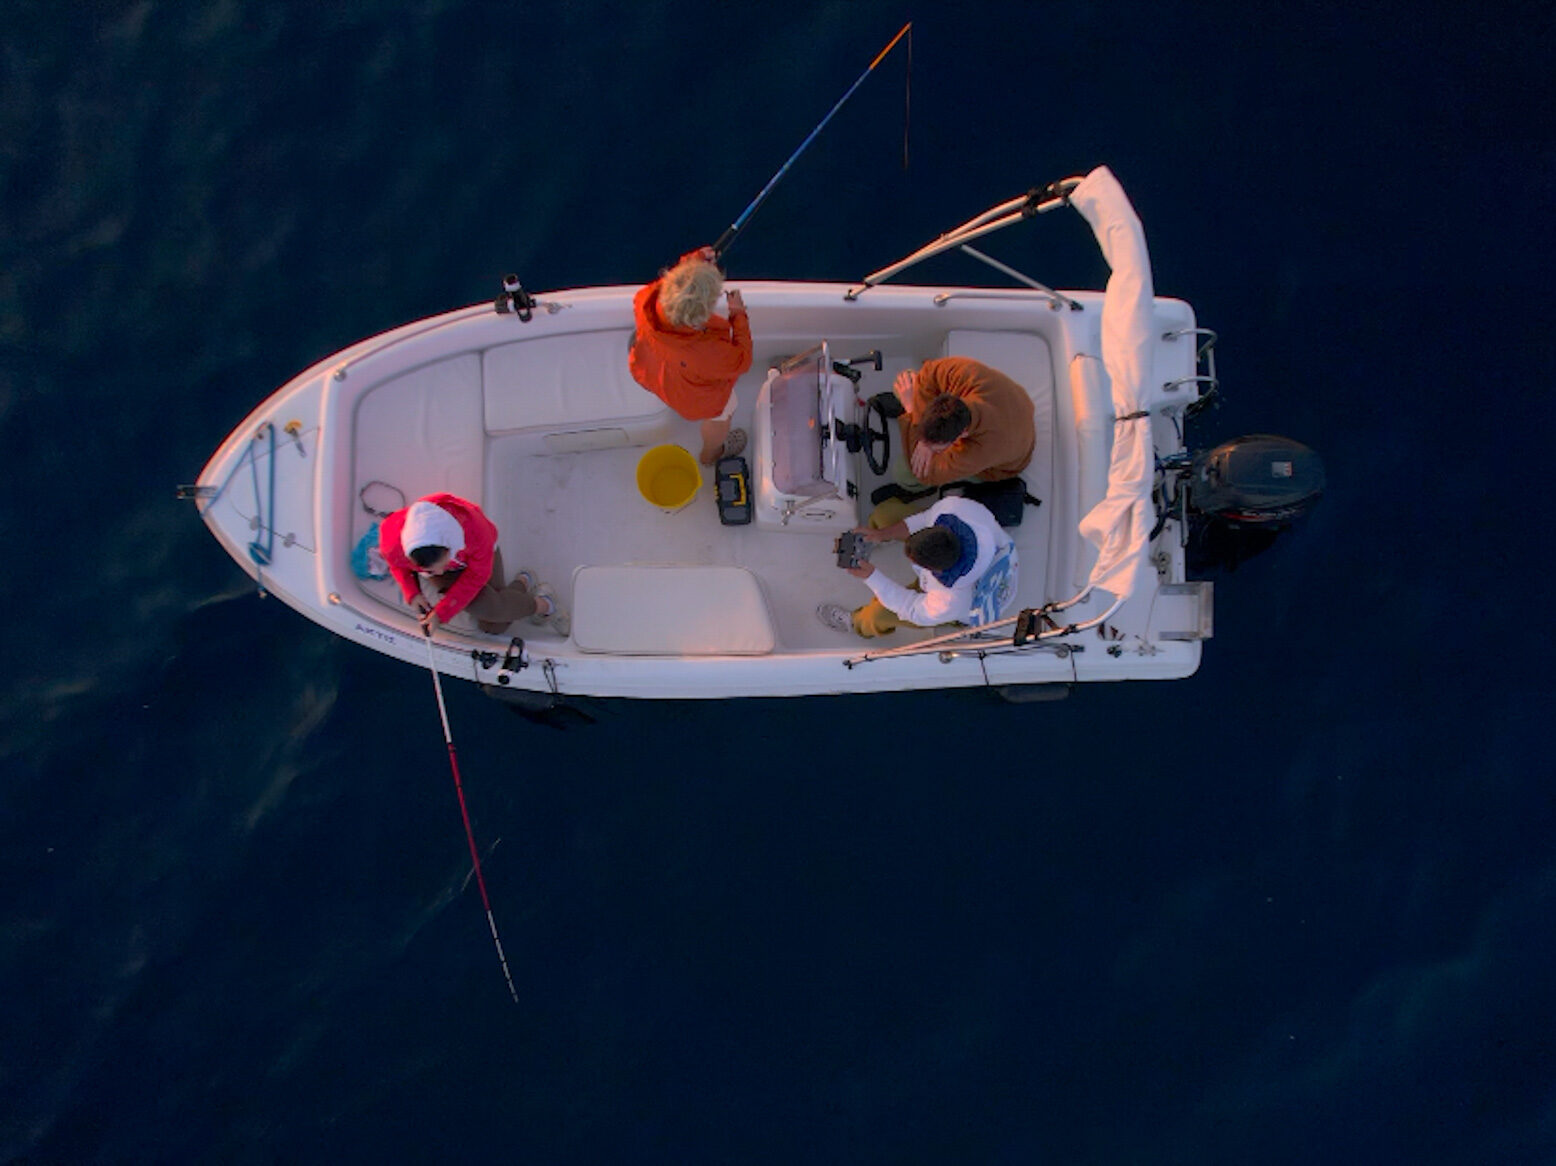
561	623
835	616
556	617
543	593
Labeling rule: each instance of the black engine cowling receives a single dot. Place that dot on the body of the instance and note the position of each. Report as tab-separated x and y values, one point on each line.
1243	493
1259	480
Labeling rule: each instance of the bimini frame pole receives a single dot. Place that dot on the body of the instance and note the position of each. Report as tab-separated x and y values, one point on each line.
1038	201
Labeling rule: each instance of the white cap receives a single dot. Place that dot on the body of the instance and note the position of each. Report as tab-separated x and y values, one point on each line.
428	525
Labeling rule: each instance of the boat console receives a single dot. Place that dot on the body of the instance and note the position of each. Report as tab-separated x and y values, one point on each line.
805	476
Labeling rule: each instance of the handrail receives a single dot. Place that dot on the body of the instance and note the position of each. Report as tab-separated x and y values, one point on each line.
1204	349
994	293
457	316
1057	298
1172	386
967	637
1204	353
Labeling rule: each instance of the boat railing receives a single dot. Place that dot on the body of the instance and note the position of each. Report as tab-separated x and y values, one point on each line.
1055	300
1022	637
1038	201
1204	358
426	328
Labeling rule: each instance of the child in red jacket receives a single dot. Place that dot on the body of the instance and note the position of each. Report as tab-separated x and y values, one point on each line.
448	541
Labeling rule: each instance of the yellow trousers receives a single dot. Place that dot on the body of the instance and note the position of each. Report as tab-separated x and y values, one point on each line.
875	618
895	510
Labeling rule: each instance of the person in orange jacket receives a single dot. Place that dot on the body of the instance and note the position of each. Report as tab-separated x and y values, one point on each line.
688	356
963	419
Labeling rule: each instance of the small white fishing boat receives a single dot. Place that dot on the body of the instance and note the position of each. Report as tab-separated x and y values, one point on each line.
527	408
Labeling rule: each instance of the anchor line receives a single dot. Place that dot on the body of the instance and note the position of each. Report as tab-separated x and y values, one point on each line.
464	813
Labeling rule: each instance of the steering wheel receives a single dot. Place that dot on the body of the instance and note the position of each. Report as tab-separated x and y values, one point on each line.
873	437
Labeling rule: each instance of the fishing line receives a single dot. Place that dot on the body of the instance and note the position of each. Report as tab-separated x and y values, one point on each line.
907	100
464	812
727	239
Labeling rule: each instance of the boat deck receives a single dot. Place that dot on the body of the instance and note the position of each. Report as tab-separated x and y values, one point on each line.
558	512
571	510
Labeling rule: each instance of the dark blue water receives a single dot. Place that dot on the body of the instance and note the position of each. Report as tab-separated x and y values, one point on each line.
1297	909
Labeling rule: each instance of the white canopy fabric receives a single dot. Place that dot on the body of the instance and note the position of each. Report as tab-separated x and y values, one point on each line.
1120	525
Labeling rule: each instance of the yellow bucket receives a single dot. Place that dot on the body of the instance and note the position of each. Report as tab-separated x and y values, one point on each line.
668	477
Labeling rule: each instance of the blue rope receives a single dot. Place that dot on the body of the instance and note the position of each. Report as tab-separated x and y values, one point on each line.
248	451
260	552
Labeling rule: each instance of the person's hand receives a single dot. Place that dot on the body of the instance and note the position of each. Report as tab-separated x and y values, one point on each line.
420	605
737	302
903	387
923	456
707	253
863	571
870	534
430	621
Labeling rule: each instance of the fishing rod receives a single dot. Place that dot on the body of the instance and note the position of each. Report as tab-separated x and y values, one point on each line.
729	236
475	858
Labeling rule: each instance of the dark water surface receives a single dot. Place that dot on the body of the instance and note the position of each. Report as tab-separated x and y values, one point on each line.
1296	909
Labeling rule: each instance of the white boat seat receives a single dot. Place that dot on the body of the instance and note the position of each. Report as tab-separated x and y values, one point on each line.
1022	356
1025	358
421	432
571	392
646	610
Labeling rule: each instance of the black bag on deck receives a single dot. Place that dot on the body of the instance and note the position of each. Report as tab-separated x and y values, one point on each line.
1006	499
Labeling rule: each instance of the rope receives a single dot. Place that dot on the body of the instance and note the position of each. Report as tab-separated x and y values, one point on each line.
373	510
464	813
259	552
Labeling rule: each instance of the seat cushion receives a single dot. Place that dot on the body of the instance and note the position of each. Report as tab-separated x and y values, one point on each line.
671	611
1022	356
421	431
574	381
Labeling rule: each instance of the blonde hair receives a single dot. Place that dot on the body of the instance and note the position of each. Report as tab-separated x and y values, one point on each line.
688	291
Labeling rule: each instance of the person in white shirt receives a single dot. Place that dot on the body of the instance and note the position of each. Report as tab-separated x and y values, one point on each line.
965	565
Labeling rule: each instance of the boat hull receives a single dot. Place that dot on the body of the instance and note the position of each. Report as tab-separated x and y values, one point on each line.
488	406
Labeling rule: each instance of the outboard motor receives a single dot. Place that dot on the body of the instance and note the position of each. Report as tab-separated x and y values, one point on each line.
1245	492
1259	480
